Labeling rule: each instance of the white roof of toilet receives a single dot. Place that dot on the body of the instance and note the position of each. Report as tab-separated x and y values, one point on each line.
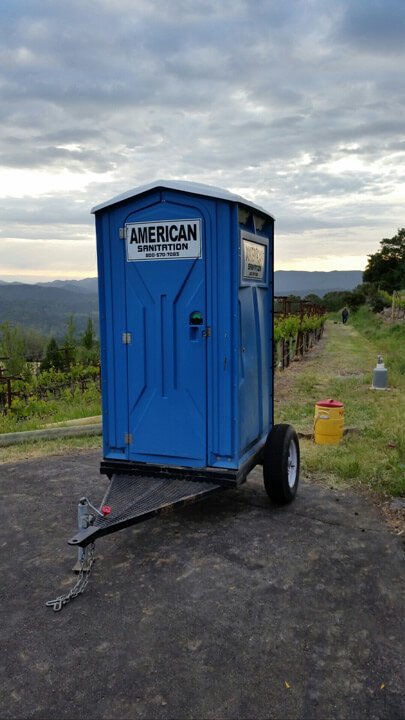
184	186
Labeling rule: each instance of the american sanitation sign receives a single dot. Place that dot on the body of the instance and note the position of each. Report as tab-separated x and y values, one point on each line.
255	254
174	240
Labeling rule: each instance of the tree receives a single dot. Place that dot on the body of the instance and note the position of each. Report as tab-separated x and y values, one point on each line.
69	341
354	299
334	300
387	266
34	343
314	299
89	350
89	337
12	348
53	357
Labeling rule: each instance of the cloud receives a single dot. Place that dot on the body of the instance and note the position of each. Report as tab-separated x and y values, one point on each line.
373	26
298	105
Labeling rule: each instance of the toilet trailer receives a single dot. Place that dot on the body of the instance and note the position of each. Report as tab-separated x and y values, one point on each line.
186	329
185	287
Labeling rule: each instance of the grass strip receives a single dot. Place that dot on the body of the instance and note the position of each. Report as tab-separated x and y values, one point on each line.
375	457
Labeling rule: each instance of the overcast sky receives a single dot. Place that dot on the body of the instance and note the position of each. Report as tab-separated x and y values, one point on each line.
298	105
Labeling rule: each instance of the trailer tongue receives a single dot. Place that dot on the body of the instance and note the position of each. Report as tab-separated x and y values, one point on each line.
133	499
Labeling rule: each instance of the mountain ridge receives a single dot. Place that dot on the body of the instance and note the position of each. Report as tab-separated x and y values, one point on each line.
304	282
47	306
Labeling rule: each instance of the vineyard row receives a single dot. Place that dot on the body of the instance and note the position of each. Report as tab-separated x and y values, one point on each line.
298	325
19	394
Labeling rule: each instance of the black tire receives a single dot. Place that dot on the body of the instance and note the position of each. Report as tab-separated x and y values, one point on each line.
281	464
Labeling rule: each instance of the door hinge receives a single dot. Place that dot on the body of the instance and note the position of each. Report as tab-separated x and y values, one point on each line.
122	233
126	338
207	332
128	439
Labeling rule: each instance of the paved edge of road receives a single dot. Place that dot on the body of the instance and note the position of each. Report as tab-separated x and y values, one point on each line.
87	430
50	434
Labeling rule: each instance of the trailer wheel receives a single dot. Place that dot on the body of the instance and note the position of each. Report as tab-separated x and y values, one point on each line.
281	464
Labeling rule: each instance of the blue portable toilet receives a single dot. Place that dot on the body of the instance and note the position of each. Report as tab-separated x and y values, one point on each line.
186	318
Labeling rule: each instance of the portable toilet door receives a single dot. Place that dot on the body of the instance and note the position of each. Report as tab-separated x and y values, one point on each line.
185	293
166	304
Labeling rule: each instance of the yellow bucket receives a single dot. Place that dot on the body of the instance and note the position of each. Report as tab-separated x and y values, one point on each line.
328	424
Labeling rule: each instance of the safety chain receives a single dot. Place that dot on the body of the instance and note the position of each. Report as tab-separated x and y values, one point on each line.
80	584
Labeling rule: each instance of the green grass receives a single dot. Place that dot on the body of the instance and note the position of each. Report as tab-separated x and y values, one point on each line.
344	371
41	413
57	446
391	336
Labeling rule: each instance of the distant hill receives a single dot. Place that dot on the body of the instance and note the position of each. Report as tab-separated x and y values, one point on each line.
48	306
88	285
299	282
